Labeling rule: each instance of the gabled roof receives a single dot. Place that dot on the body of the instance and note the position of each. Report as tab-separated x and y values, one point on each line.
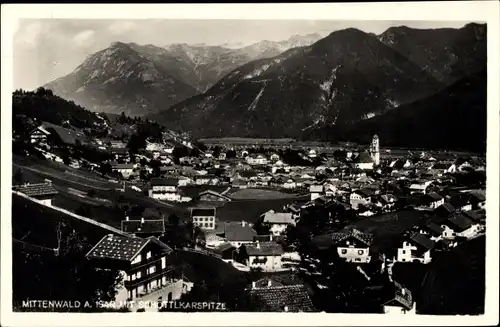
165	181
278	218
294	297
398	294
203	212
141	227
36	190
122	248
434	228
236	232
211	192
473	215
68	136
423	241
264	249
459	223
433	196
363	158
360	236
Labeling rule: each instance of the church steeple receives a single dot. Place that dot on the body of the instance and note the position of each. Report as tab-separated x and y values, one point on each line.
375	150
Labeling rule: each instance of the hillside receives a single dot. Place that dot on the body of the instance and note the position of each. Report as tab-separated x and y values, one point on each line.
343	78
43	105
120	79
454	118
455	283
446	53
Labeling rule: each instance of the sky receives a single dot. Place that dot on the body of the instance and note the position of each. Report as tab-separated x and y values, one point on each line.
46	49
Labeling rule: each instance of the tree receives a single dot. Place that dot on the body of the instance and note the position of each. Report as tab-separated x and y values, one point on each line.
18	177
105	168
173	220
136	143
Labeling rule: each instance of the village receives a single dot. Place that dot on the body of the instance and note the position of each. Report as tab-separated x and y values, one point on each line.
285	216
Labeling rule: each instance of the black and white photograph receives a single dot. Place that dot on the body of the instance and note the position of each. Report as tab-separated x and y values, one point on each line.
251	165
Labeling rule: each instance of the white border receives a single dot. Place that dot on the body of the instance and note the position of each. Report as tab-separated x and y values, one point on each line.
481	11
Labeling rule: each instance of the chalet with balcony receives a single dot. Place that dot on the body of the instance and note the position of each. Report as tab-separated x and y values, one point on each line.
213	197
395	299
164	189
39	135
143	264
238	233
264	255
205	218
353	245
429	201
43	192
460	225
416	248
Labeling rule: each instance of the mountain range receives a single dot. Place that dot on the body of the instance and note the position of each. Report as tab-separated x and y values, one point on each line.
306	87
342	80
141	79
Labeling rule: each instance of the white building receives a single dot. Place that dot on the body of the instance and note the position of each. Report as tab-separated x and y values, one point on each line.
256	160
204	218
126	170
364	161
264	255
416	249
164	189
278	221
353	245
375	150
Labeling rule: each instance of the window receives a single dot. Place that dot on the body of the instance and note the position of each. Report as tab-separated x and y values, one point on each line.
163	262
360	252
210	225
404	251
344	251
403	260
148	255
152	270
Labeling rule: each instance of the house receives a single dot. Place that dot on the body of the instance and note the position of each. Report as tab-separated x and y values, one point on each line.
363	161
164	189
39	135
143	263
238	233
445	210
444	168
212	240
264	255
316	191
43	192
397	299
353	245
312	153
419	187
212	196
462	164
117	144
256	160
64	136
400	164
239	183
329	189
204	218
143	227
289	184
417	248
278	221
430	201
202	179
461	202
226	251
433	230
362	196
386	201
273	297
460	225
120	154
222	156
275	158
184	181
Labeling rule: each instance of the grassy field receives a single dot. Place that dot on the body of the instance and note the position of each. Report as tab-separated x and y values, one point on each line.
259	194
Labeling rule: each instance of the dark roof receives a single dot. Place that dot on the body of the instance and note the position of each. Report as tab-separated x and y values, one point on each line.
362	237
363	158
433	196
139	227
460	200
423	241
164	181
203	212
117	247
275	299
434	228
442	166
459	223
224	247
400	295
264	282
238	232
473	215
264	249
36	190
123	151
445	208
366	192
68	136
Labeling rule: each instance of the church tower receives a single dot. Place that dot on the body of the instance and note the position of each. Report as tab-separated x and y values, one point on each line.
375	150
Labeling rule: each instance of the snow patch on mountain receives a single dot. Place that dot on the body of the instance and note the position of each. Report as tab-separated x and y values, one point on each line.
257	71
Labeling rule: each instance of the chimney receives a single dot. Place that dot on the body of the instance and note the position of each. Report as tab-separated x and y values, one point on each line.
142	220
243	223
403	291
285	308
253	284
126	218
269	283
271	237
257	245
